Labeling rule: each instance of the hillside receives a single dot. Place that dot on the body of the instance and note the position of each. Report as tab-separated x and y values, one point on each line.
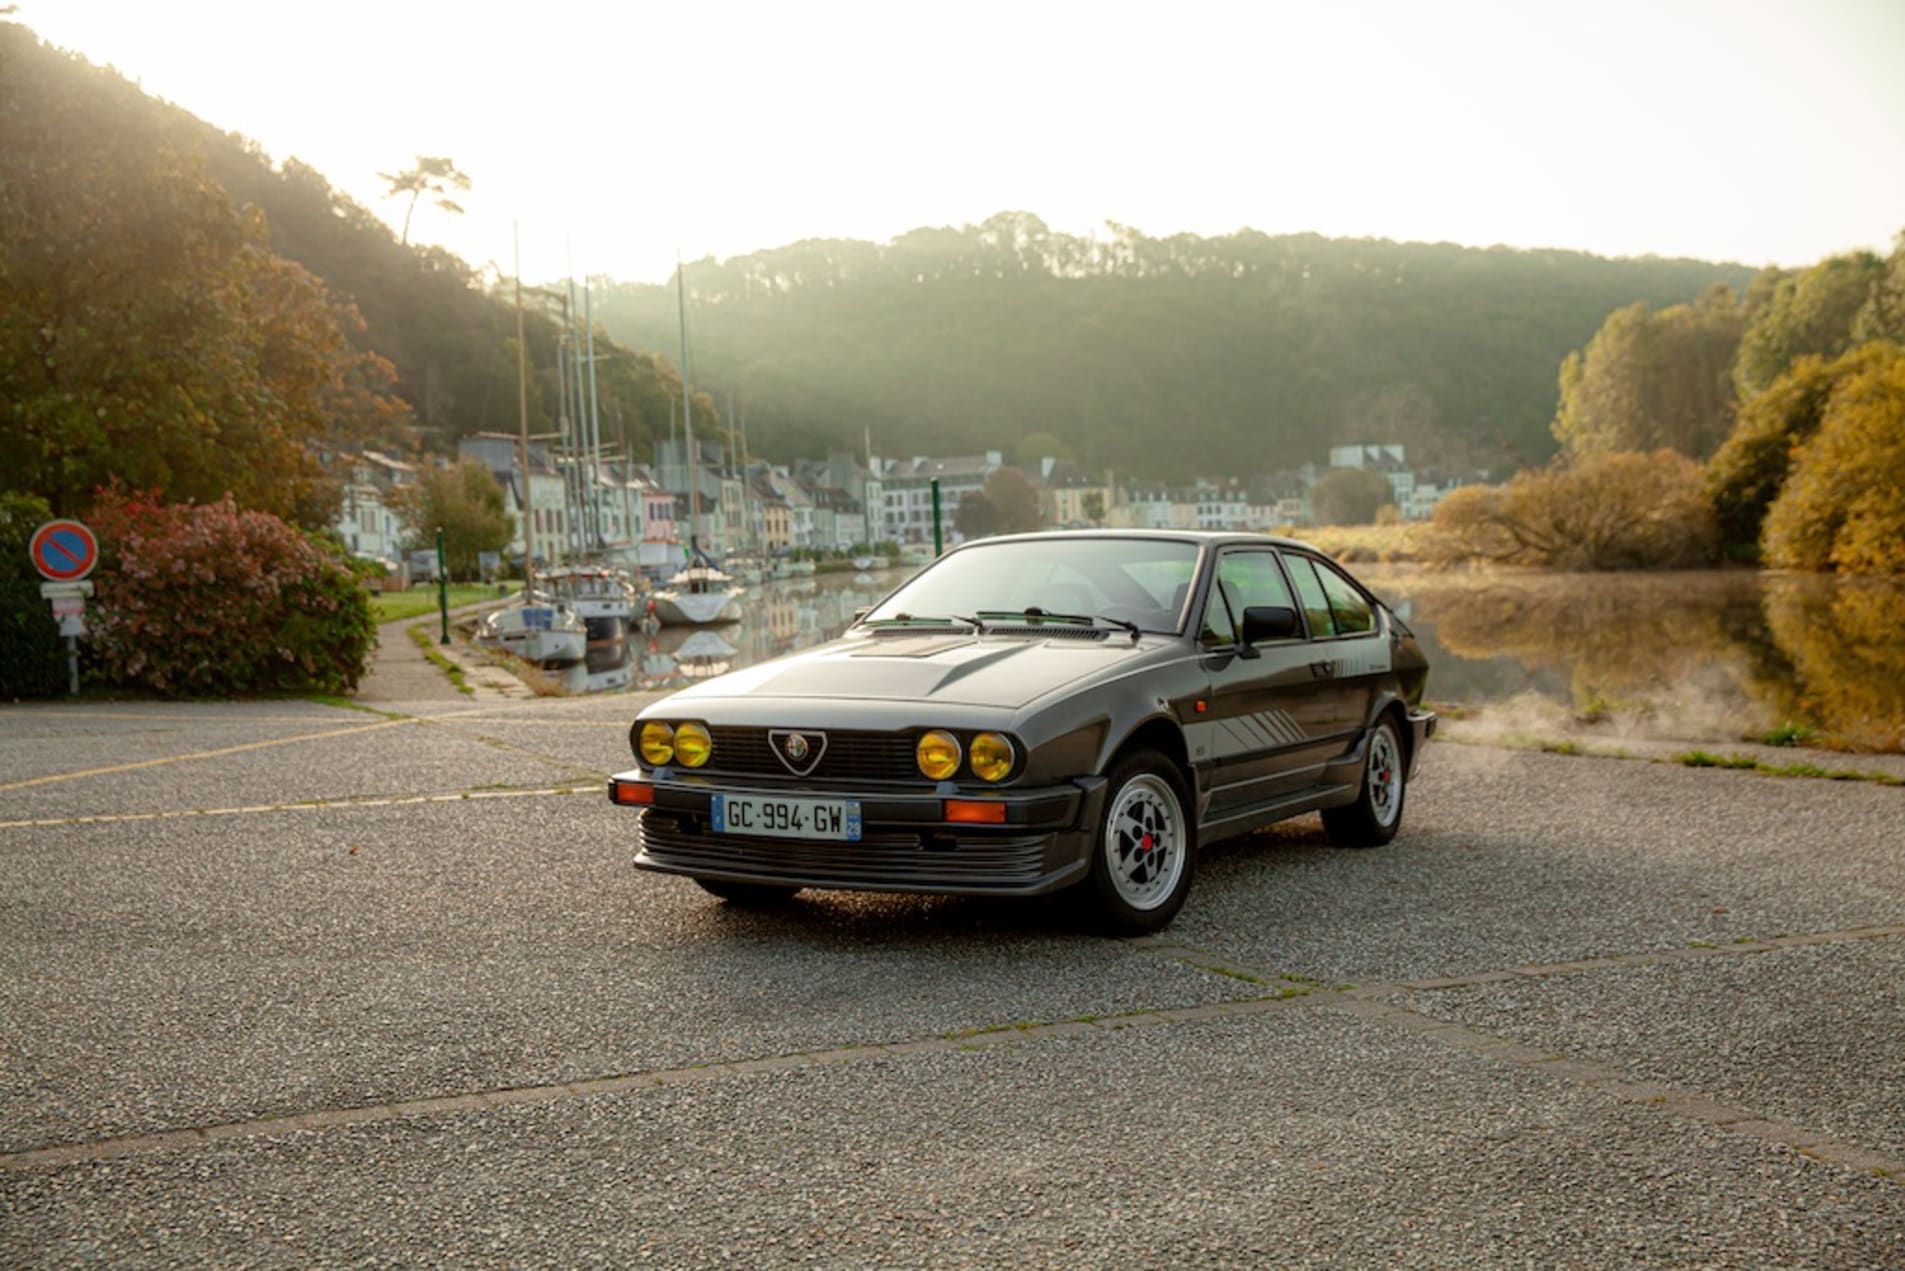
1246	352
448	337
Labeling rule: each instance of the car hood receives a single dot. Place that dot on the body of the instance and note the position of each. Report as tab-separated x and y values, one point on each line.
995	671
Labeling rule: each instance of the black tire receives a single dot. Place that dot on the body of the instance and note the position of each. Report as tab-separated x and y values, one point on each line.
747	895
1144	854
1376	815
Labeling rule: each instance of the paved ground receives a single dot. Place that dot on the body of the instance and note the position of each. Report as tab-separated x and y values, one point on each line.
292	984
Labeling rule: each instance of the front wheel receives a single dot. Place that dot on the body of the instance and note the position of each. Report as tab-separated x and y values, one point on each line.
1376	815
1146	849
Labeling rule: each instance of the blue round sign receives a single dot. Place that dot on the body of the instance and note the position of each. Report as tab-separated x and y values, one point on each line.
63	551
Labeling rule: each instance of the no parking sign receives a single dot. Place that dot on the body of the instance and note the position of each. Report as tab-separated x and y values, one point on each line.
63	551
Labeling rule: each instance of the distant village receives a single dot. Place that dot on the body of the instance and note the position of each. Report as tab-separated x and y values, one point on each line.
637	516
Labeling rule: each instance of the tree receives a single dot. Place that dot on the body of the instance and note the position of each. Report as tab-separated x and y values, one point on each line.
1016	499
1349	496
467	504
1747	473
147	332
1650	380
977	516
1094	508
431	175
1812	311
1843	506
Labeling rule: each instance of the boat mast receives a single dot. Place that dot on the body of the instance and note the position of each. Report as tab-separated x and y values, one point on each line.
595	428
522	418
688	416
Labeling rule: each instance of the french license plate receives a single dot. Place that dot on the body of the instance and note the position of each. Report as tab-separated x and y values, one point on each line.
773	817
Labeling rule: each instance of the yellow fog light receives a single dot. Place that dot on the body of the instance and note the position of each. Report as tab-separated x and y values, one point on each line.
693	745
658	743
992	757
938	754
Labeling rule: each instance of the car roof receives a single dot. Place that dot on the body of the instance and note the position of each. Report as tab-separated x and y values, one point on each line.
1201	537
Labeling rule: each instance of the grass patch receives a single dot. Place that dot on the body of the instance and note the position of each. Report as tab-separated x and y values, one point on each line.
1788	734
1706	759
424	641
394	606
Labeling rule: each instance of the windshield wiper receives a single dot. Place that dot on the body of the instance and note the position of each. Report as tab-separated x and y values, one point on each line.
1036	615
907	620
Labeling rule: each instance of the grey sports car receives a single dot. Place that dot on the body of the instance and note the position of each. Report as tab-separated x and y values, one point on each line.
1044	711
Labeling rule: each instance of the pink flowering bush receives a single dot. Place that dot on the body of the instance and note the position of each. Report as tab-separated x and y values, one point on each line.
208	600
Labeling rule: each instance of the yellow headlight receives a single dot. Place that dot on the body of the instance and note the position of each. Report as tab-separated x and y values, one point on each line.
992	756
658	743
938	754
693	745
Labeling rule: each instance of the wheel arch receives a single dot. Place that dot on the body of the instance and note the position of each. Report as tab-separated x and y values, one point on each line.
1160	733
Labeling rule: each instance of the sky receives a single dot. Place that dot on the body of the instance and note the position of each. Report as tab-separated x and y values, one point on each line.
616	135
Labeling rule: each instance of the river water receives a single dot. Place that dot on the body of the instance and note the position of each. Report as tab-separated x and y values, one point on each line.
1712	656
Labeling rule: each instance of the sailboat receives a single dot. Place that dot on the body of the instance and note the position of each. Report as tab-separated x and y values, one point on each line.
701	594
536	627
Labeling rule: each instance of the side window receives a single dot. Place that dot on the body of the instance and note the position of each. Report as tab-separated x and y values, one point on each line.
1316	606
1252	579
1220	628
1348	606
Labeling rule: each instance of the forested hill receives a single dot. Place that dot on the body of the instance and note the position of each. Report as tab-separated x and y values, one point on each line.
103	157
1168	356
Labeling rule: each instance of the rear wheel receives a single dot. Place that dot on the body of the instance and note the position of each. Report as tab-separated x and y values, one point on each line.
747	895
1146	851
1376	815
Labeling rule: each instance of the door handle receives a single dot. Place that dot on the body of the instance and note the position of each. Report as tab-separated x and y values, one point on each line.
1323	670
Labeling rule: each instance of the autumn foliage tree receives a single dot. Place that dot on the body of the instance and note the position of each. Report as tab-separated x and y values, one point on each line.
1349	496
1650	380
1843	505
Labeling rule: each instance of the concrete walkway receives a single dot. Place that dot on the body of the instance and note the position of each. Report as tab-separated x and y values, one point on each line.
401	672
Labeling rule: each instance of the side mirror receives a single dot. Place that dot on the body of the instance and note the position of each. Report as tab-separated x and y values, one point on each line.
1269	622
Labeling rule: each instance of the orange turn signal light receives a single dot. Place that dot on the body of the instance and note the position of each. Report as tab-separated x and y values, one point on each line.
975	811
637	793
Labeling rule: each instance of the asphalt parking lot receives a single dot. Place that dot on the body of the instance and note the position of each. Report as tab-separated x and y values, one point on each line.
288	984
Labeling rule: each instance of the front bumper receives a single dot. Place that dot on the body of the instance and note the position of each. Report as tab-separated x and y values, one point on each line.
906	843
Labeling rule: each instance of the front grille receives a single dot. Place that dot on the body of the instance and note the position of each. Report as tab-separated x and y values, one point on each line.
889	860
850	756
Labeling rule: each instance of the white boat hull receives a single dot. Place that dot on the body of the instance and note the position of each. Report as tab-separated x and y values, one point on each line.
696	608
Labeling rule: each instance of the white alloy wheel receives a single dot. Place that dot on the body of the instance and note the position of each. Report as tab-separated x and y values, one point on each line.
1144	844
1384	776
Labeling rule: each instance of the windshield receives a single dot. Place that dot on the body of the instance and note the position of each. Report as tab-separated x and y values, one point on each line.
1142	581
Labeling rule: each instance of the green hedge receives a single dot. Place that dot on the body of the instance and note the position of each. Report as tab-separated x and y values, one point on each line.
32	654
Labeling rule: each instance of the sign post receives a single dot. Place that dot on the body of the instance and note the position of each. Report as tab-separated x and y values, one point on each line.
65	552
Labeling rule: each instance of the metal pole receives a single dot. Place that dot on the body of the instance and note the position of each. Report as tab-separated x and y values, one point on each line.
443	589
939	541
72	666
688	415
522	421
595	427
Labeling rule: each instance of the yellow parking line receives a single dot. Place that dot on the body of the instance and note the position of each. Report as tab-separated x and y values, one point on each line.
202	754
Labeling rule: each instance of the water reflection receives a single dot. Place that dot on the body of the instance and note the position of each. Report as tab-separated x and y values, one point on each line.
781	616
1695	656
1712	656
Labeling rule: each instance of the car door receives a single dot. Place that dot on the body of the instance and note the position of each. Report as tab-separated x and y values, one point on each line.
1271	719
1350	651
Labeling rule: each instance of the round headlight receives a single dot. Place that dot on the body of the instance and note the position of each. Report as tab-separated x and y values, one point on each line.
693	745
938	754
991	756
658	743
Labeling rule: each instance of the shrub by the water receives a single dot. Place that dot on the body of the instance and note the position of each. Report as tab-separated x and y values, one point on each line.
209	600
1617	511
